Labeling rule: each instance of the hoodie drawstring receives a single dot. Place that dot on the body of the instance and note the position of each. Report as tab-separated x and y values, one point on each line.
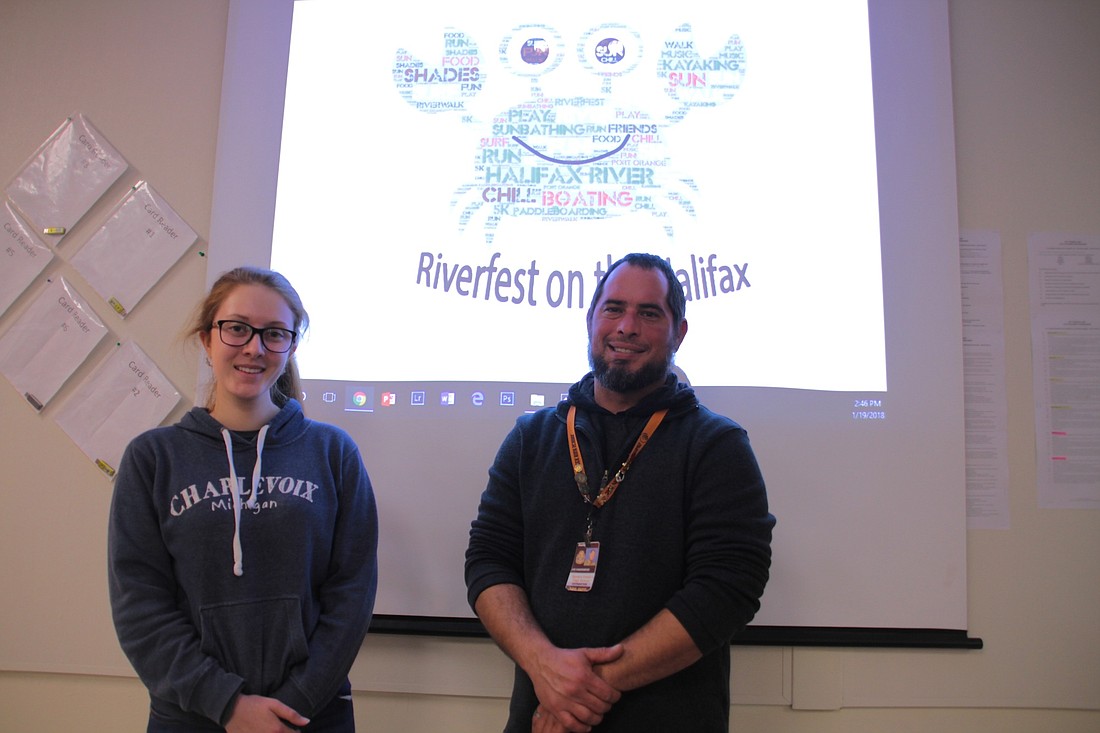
238	555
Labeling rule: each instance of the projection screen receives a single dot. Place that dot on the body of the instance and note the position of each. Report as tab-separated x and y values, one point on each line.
445	184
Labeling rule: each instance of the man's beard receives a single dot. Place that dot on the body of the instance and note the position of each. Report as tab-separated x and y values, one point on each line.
624	381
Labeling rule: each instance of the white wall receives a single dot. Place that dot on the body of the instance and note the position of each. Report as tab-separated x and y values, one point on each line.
148	74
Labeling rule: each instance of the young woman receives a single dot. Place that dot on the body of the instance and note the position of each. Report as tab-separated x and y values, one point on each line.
242	540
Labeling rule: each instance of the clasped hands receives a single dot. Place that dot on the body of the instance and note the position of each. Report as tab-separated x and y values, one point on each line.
257	714
573	695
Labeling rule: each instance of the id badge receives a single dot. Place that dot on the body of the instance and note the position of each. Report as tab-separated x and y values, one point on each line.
583	573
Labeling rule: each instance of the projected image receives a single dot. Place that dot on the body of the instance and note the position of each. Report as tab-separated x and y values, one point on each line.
475	177
577	158
454	179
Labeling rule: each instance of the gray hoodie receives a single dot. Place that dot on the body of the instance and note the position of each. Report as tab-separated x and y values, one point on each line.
267	589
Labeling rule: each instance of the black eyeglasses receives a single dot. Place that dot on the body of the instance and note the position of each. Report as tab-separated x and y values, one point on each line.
238	333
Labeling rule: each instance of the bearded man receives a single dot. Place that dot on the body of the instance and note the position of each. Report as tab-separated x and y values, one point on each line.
624	536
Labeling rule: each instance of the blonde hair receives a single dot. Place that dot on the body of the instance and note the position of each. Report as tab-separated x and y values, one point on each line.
289	383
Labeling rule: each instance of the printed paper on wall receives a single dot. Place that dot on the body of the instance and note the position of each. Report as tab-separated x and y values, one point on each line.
66	176
48	342
133	249
23	254
126	395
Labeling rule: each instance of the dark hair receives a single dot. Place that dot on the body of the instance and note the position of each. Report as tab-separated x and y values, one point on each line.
289	383
677	303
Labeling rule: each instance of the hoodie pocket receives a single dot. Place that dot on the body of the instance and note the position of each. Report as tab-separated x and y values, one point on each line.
258	640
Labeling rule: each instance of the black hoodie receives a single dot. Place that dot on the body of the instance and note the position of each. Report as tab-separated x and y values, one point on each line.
688	530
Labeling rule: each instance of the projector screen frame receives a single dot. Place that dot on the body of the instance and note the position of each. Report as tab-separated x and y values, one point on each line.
254	81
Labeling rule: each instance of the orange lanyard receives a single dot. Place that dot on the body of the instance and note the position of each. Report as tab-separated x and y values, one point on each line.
608	489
